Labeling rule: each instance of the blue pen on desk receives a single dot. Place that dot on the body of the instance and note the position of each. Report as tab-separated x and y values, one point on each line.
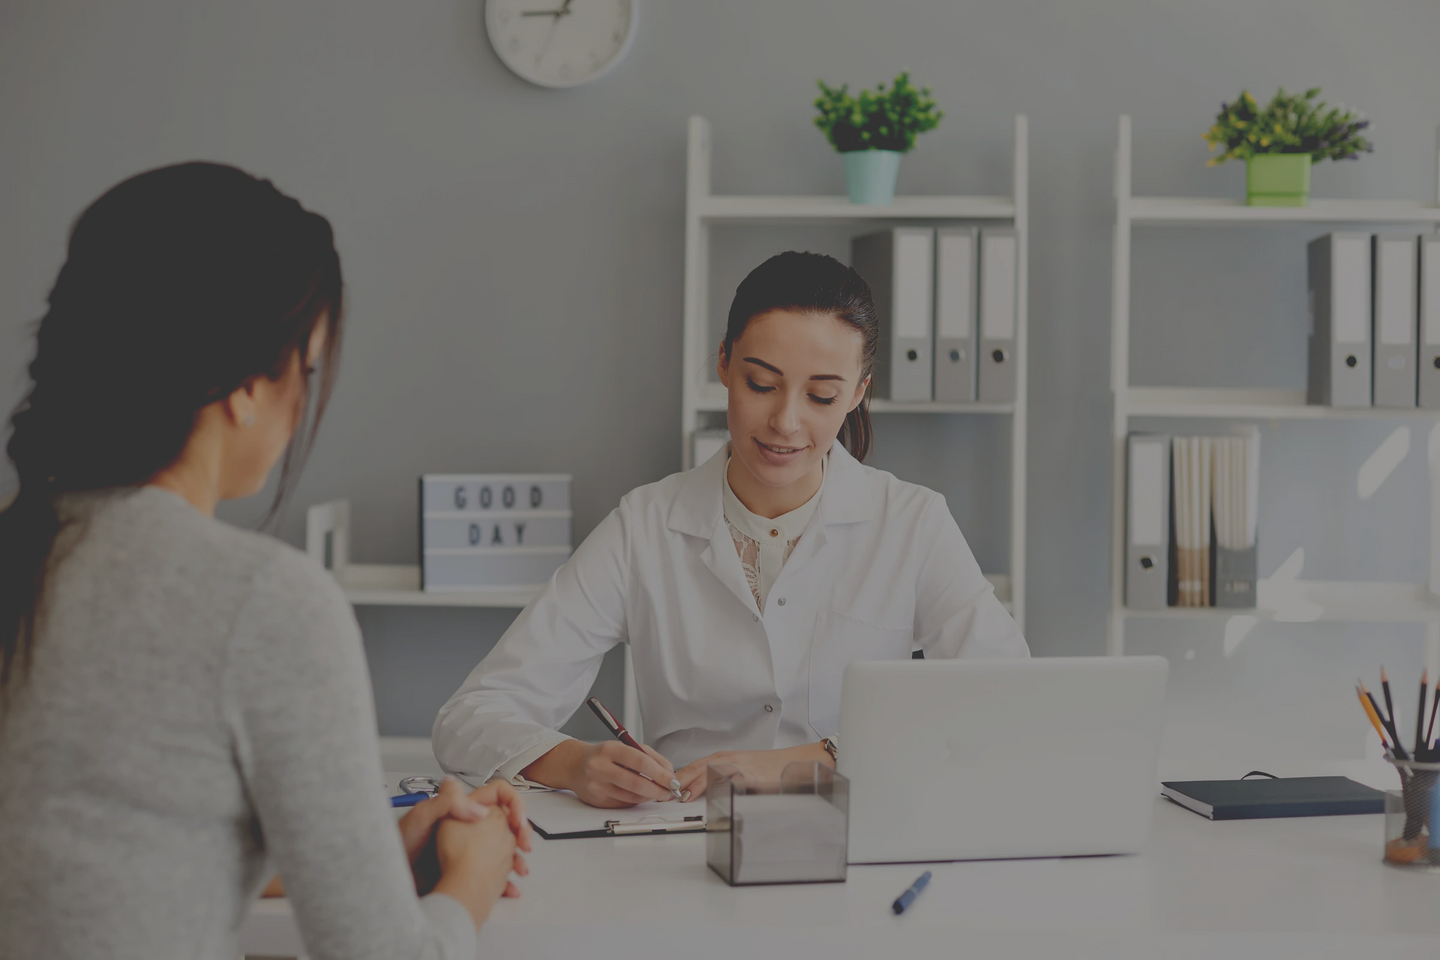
908	897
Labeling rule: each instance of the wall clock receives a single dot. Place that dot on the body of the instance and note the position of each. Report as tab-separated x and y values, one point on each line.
560	43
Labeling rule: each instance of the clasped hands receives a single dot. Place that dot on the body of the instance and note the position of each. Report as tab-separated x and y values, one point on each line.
471	839
484	829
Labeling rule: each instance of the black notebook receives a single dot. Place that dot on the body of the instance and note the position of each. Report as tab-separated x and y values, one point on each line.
1285	797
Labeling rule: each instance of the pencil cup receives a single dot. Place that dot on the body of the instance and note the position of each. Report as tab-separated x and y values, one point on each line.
1412	818
793	831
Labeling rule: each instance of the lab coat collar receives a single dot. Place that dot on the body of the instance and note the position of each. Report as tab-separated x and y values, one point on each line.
698	509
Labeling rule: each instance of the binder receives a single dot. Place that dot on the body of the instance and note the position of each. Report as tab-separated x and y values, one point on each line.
999	251
1236	487
1394	289
1429	366
1147	538
899	266
1190	472
1339	295
1274	797
707	443
955	302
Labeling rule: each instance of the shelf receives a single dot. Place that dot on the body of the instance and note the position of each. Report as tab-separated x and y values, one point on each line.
780	209
1307	601
398	585
712	405
1249	405
1182	210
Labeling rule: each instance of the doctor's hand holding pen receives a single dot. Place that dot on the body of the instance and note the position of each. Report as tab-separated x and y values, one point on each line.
608	774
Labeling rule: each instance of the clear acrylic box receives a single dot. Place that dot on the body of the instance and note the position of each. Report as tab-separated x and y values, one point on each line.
793	831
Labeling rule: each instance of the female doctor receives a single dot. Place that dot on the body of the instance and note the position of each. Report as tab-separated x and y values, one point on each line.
744	586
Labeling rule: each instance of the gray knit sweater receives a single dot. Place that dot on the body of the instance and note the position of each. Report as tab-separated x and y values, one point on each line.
199	705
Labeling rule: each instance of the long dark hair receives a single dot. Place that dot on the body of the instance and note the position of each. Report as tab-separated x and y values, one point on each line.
814	283
179	285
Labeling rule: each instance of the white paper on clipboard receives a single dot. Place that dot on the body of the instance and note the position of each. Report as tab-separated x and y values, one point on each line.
561	814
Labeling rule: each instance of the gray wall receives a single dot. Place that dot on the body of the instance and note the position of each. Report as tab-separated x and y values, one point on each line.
514	260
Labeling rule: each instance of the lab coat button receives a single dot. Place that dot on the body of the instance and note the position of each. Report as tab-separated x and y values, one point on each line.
769	709
755	616
774	532
781	601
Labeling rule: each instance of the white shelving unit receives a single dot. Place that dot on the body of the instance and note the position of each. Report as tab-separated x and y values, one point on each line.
1281	601
327	541
702	396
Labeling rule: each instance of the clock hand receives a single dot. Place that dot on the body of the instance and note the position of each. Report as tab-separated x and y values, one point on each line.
564	11
540	54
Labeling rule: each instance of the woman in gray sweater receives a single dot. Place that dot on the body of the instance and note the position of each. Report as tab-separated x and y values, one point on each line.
184	706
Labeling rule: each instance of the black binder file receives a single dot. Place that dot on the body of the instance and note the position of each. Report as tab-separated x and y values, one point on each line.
1283	797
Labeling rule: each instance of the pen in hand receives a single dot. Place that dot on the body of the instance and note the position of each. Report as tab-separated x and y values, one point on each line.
618	731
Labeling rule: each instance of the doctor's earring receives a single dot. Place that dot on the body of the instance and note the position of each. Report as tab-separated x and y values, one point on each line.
248	420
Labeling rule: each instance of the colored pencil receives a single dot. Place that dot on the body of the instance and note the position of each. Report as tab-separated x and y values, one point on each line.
1434	708
1374	717
1389	704
1398	750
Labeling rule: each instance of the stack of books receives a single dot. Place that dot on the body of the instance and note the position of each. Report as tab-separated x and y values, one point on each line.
492	531
1192	520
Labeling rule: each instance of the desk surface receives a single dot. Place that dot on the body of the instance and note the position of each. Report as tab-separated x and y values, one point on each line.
1312	887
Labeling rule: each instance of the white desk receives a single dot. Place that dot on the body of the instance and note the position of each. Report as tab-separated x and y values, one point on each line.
1306	888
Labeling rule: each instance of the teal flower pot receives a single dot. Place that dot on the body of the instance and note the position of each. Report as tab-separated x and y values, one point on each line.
870	175
1278	180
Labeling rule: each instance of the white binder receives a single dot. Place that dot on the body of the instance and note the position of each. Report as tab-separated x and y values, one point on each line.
899	266
1339	293
955	302
1147	522
1429	367
999	251
707	443
1394	287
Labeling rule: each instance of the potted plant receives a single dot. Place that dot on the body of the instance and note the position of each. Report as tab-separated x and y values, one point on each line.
1280	141
872	130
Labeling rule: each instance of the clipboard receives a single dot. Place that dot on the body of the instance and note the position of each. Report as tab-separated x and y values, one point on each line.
645	826
560	815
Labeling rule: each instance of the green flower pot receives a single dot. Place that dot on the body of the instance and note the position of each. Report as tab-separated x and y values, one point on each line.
1278	180
870	175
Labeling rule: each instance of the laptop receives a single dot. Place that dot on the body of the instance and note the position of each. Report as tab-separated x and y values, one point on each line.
984	759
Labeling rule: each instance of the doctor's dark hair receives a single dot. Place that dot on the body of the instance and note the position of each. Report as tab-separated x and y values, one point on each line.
179	286
814	283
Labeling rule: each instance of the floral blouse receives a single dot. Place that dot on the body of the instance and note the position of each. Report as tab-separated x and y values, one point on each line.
762	544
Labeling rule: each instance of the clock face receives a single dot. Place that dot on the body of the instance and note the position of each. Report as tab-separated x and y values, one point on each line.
560	43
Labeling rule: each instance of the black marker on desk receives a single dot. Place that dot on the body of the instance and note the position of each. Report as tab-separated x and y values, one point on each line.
908	897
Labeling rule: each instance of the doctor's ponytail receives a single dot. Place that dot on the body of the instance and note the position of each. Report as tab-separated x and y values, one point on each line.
814	283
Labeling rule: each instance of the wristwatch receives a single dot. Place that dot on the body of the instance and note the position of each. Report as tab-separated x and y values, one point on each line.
832	748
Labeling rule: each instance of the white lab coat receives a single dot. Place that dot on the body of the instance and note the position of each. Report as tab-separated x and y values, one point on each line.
880	569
